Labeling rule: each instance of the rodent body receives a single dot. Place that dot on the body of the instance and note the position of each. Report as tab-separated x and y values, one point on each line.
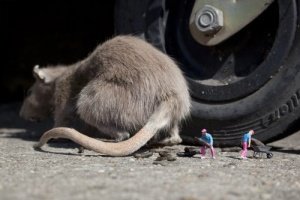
123	87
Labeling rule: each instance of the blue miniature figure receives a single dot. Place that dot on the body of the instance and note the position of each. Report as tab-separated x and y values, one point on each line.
246	143
208	140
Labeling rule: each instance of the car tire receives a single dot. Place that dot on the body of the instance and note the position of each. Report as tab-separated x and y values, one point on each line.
265	95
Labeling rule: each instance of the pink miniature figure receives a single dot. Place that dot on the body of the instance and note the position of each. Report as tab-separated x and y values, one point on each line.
246	143
207	139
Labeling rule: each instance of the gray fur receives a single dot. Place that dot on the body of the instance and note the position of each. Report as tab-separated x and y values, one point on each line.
116	90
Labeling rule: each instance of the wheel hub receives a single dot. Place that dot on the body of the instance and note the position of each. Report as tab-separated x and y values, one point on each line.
238	66
208	16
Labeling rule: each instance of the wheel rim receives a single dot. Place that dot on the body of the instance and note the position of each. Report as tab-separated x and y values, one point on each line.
240	65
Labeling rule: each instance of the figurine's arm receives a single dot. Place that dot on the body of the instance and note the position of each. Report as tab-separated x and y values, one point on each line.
249	143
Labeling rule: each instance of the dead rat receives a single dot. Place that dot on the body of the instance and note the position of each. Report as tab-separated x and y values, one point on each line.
125	88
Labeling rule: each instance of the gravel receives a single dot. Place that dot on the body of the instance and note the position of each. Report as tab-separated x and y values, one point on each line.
59	172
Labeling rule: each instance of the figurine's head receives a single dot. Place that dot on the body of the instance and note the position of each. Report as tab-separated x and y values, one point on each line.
203	131
38	102
251	132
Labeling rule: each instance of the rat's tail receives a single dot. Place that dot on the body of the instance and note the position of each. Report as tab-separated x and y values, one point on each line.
162	117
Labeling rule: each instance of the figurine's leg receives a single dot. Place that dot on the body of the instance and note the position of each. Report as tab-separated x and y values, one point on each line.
202	151
245	151
212	151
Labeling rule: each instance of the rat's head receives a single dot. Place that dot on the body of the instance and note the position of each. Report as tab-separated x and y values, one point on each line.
38	102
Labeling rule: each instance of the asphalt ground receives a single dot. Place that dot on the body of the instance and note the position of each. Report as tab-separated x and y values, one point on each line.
60	172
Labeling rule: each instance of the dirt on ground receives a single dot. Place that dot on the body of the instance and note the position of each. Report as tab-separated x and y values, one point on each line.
60	172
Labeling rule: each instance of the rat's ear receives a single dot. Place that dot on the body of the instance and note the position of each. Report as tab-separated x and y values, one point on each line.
41	74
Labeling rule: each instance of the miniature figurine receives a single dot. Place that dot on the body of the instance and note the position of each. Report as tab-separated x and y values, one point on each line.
207	140
246	143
